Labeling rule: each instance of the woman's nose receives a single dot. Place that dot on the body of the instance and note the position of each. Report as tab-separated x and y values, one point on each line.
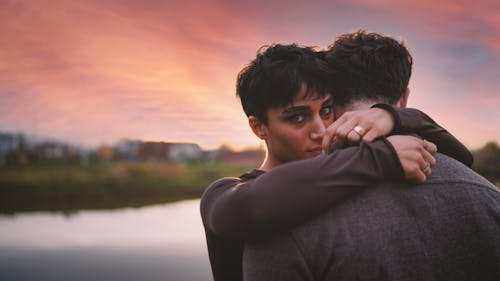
318	129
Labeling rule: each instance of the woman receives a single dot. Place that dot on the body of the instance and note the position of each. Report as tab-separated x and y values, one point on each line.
284	93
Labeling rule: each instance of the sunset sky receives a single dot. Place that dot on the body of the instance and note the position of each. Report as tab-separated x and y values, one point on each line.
93	72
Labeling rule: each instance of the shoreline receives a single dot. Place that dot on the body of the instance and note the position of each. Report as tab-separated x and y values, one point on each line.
67	188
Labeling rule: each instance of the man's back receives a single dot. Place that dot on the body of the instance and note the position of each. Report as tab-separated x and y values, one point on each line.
446	229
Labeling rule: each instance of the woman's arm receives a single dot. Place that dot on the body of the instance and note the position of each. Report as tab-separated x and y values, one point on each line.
410	120
384	119
296	191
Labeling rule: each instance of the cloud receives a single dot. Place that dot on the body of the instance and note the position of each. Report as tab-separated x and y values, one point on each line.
95	71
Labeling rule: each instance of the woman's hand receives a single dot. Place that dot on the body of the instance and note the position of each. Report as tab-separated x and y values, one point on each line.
415	155
354	126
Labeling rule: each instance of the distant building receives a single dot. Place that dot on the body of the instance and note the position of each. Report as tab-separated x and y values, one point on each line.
174	152
128	149
183	152
153	151
53	150
8	144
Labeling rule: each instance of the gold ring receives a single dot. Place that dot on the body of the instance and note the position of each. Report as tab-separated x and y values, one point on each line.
427	167
359	130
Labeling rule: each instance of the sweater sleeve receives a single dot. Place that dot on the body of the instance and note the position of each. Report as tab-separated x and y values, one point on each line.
410	120
293	192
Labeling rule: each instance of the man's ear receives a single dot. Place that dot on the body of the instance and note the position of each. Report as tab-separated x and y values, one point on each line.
258	127
403	100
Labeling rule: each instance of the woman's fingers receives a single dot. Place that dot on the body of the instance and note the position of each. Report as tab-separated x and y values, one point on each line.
371	134
329	137
353	138
355	126
415	156
429	146
333	134
343	131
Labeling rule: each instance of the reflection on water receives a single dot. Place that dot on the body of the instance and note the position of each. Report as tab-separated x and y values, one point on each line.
164	242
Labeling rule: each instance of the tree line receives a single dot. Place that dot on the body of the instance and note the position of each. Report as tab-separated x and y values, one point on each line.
487	161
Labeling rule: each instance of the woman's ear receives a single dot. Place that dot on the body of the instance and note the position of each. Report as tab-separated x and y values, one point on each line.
258	127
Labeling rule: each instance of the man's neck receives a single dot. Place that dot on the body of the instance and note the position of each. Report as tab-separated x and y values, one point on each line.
360	105
352	106
356	105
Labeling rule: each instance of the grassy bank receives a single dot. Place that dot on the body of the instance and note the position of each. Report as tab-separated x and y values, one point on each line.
68	187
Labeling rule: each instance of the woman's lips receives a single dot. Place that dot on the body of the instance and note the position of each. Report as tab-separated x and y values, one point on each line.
316	150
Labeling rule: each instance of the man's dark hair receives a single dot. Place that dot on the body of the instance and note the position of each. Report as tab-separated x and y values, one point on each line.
276	75
368	66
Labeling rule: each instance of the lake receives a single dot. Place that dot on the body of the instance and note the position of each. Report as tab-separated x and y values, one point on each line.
160	242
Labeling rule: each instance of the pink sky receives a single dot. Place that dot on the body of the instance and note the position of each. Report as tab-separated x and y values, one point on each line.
92	72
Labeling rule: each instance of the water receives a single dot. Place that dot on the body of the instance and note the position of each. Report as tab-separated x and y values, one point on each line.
162	242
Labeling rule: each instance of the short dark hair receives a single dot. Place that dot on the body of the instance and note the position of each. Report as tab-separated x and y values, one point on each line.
276	75
368	66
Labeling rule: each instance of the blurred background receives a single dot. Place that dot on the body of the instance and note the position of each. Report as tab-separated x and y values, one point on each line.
115	116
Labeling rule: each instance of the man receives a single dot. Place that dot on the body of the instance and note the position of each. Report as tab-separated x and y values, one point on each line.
445	229
284	93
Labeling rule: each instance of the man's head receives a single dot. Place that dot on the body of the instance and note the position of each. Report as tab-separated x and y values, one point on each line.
369	68
284	93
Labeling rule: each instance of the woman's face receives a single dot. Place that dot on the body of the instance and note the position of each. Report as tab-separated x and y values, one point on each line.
295	131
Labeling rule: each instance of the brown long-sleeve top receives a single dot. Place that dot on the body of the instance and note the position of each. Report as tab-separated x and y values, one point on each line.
260	203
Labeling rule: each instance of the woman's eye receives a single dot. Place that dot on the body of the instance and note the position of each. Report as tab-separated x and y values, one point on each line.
296	118
326	111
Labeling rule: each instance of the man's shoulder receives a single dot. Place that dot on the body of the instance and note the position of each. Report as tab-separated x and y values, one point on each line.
396	225
369	230
452	186
449	171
